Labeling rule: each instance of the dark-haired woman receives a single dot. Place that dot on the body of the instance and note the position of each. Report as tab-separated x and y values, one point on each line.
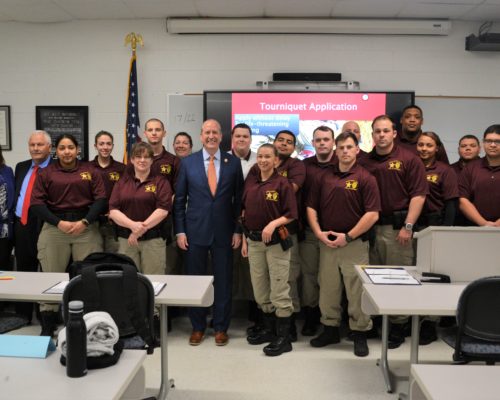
183	144
68	196
440	205
268	203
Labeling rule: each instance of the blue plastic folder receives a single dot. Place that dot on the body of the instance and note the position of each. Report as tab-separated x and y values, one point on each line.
26	346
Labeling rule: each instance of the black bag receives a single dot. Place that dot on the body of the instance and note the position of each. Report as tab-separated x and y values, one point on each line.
110	282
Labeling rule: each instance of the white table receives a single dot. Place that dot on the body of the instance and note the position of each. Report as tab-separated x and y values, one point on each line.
181	290
457	382
420	300
45	378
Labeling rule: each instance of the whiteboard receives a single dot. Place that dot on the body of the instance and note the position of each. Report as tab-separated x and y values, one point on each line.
184	114
453	117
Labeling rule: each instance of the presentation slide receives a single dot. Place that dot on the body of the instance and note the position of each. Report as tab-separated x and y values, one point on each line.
301	113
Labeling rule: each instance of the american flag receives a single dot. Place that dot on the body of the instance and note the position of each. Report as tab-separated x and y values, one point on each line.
132	129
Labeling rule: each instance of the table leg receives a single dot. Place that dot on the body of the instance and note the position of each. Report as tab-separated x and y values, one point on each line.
166	383
415	335
383	362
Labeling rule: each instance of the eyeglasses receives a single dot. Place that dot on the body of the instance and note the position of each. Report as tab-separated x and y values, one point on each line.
492	141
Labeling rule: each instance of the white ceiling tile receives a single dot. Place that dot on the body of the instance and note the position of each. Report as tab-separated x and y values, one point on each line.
484	13
162	8
34	11
231	8
298	8
95	9
437	10
367	8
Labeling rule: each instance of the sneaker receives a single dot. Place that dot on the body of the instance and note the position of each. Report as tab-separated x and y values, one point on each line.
360	344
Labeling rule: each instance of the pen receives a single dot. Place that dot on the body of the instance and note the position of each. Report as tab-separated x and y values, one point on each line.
6	278
400	278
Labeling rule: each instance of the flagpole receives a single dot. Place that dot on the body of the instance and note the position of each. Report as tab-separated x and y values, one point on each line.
132	124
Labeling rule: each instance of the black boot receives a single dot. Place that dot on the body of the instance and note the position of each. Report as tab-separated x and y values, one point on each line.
360	345
268	331
330	335
311	321
259	323
48	321
281	344
428	333
293	329
397	335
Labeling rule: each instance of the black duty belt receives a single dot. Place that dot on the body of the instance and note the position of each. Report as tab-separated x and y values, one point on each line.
71	215
151	234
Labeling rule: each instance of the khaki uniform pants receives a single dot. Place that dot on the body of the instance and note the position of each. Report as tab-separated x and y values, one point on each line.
242	283
109	242
175	259
309	256
333	263
55	248
149	256
294	273
388	251
270	270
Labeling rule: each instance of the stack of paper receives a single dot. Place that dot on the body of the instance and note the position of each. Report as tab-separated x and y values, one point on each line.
390	276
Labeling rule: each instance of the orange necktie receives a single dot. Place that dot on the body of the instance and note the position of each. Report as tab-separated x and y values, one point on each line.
212	176
27	196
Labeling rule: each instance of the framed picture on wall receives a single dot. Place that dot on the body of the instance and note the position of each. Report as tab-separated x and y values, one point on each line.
58	120
5	135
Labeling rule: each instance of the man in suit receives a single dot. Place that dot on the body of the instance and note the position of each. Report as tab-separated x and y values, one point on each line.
26	225
207	205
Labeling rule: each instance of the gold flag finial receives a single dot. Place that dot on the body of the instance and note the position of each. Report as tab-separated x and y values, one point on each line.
134	39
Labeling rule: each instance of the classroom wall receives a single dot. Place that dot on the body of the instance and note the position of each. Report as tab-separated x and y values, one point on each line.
86	63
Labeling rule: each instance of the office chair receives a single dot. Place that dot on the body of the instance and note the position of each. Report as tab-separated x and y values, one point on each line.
120	290
477	336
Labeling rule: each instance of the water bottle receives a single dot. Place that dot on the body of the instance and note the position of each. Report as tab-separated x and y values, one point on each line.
76	341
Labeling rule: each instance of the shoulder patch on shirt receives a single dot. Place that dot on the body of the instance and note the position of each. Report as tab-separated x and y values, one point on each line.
86	176
165	169
395	165
434	178
151	188
351	184
283	173
272	195
114	176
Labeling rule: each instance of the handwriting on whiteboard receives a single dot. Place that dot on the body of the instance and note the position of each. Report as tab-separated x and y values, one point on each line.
185	117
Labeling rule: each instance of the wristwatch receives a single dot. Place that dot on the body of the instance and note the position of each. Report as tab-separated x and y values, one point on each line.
348	238
408	226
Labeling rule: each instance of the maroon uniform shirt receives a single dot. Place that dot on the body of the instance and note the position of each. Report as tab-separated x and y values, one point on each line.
343	198
67	189
265	201
314	172
400	176
412	146
480	184
167	165
443	186
137	200
110	174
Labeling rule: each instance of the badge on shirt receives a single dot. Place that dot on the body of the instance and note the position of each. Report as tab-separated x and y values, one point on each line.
434	178
86	176
165	169
151	188
351	184
395	165
114	176
272	195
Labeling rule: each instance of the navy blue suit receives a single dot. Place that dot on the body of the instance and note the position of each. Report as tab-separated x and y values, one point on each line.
209	223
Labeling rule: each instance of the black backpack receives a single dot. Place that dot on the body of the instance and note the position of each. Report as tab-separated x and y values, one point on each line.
110	282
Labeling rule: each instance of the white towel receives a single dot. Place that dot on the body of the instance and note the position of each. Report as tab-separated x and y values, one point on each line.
102	334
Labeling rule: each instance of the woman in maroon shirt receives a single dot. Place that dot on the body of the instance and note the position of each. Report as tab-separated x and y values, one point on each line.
68	196
268	203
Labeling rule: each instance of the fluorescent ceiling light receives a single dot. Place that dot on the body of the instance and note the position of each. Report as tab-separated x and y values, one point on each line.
310	25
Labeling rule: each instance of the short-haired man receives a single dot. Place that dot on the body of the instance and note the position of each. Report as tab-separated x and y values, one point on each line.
323	142
342	206
403	187
468	150
479	183
353	126
27	225
241	139
412	119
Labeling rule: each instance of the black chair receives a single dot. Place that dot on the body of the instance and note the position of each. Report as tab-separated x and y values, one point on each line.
477	335
121	291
